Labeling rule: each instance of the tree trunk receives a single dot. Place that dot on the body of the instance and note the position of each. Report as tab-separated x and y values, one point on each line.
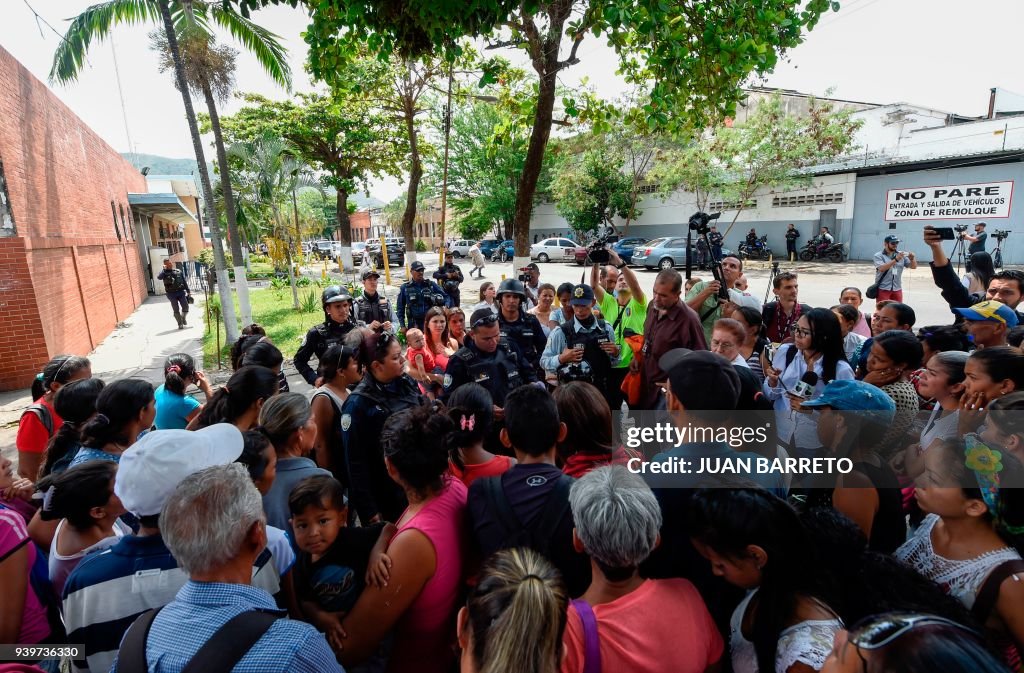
288	255
234	238
223	289
345	232
532	167
415	174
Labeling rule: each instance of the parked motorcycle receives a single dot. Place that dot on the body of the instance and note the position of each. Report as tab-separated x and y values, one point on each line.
759	250
836	252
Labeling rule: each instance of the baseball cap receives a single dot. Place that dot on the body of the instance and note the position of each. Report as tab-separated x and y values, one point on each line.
991	311
582	295
532	266
153	467
701	380
892	238
369	274
417	266
744	299
844	395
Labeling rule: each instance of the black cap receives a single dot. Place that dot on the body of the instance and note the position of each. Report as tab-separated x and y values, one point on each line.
533	266
582	295
369	273
701	380
417	266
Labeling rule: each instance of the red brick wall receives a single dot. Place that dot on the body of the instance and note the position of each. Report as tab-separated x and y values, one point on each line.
75	278
360	221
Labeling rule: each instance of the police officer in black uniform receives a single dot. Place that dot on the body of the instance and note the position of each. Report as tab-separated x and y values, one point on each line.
517	326
417	296
372	308
385	389
337	323
449	276
716	239
584	348
177	292
487	359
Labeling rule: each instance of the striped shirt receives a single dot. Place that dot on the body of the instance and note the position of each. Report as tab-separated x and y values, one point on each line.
109	590
201	608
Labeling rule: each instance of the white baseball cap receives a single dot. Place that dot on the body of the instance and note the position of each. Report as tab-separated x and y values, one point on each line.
153	467
744	299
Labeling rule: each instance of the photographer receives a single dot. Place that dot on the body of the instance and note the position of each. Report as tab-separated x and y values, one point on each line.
889	265
625	309
977	242
1004	287
417	296
531	281
449	276
705	297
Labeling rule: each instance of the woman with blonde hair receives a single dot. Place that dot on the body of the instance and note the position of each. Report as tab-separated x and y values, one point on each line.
515	617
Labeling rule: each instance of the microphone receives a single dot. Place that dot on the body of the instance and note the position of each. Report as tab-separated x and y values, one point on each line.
805	386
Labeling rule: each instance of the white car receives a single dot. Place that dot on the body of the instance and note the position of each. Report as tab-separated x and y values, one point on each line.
461	248
557	249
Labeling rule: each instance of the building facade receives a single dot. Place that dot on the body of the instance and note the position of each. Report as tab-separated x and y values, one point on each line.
70	266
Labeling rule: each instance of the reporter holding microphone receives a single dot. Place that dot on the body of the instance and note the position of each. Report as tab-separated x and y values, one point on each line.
889	265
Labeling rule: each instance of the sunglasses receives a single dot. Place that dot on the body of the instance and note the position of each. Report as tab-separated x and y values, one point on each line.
875	632
486	320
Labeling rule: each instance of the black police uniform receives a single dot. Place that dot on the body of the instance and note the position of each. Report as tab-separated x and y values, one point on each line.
598	362
177	293
415	299
450	285
716	239
371	490
316	342
499	372
368	309
527	335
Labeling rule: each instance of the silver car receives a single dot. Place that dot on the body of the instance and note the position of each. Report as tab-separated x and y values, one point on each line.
661	253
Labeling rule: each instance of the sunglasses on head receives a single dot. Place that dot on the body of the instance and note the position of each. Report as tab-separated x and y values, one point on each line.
875	632
486	320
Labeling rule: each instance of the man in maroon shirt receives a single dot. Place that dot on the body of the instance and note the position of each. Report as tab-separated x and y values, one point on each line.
670	324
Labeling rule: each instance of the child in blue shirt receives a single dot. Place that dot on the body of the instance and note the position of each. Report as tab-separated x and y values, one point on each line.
175	409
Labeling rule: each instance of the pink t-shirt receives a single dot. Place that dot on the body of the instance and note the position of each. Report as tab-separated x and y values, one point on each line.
634	630
426	632
14	536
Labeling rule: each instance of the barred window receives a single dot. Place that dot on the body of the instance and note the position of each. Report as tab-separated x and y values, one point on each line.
113	211
807	200
6	217
648	189
714	206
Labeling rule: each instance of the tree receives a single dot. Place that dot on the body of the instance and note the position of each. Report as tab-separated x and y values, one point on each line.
692	55
188	49
591	190
346	138
770	149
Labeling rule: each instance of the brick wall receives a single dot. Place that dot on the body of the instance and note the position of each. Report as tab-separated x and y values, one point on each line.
71	271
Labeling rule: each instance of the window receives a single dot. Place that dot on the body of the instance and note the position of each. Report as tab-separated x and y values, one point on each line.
113	211
648	189
6	217
718	206
124	225
807	200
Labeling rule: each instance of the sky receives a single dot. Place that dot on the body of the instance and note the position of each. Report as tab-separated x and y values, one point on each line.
943	54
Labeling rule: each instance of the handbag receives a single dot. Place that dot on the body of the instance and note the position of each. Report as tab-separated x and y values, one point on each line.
872	291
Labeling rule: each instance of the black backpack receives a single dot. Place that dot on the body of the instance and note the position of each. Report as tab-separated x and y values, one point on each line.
514	533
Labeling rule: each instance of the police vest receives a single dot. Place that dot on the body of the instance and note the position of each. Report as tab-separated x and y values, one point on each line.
598	363
368	311
174	281
499	374
332	336
420	298
521	333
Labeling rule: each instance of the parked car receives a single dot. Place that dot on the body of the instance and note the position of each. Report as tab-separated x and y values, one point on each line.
503	252
322	249
358	248
396	253
488	246
661	253
307	248
623	247
461	247
558	249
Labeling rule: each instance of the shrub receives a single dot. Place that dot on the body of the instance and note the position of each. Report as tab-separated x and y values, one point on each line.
420	245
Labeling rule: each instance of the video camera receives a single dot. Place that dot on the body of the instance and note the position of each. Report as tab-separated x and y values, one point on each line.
524	275
1000	234
959	228
699	223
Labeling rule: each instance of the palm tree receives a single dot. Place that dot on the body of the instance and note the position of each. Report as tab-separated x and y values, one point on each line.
188	22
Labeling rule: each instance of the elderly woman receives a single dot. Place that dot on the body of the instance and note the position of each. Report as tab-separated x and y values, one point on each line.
617	522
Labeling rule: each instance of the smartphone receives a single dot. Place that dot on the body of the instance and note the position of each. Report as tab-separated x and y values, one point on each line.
945	233
769	352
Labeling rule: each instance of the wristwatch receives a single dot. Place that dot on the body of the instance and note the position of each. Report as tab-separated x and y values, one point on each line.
620	266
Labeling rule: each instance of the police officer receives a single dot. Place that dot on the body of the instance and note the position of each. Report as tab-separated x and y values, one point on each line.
517	326
337	323
417	296
584	348
716	239
448	275
489	360
385	389
177	292
372	308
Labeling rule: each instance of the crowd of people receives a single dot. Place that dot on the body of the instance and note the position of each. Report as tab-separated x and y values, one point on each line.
459	492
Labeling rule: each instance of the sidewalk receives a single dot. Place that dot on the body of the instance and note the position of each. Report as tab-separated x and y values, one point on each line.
136	348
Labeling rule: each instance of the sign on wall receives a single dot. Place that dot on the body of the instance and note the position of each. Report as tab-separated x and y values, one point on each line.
949	202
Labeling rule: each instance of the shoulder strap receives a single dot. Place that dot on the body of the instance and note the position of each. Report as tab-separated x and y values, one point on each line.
591	641
231	642
43	414
790	355
988	594
330	397
554	509
132	657
502	509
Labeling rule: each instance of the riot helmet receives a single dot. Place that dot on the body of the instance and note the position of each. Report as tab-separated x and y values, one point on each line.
511	286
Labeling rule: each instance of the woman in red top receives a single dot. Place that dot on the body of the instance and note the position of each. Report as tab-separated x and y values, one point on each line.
588	422
472	409
33	434
439	342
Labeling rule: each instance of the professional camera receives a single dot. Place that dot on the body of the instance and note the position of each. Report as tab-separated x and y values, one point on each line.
1000	234
524	275
597	251
699	222
960	228
436	299
575	371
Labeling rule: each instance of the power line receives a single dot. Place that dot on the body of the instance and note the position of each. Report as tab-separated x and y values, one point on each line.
40	19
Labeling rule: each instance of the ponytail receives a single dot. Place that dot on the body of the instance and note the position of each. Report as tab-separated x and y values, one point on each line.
517	614
118	405
58	370
239	347
75	403
177	368
472	412
245	387
73	493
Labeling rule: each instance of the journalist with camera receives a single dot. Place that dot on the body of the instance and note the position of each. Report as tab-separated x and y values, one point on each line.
889	265
418	296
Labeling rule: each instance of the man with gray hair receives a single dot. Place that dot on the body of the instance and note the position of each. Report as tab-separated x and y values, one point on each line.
617	521
214	525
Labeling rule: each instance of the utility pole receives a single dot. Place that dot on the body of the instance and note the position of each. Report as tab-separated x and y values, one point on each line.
444	181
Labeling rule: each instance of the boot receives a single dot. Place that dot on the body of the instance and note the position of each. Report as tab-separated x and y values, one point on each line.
177	317
184	319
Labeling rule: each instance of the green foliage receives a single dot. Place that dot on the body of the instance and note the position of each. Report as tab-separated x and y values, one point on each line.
420	245
310	302
591	189
273	309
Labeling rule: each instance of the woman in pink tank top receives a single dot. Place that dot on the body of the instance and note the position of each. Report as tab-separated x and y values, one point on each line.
419	598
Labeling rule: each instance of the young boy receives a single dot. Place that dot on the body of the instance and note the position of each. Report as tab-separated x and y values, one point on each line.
335	562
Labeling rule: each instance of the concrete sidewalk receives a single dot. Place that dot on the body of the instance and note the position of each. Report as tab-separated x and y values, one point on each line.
136	348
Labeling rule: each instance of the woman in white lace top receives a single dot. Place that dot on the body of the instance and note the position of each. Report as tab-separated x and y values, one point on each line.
755	541
974	499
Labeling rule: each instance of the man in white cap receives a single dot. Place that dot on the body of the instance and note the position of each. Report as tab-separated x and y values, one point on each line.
107	591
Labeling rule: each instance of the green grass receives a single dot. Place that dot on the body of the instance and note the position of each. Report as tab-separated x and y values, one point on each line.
272	309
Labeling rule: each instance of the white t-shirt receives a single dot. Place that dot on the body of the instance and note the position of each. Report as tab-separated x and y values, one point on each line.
60	565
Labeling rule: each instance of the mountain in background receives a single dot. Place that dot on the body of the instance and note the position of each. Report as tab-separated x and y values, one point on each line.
166	166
